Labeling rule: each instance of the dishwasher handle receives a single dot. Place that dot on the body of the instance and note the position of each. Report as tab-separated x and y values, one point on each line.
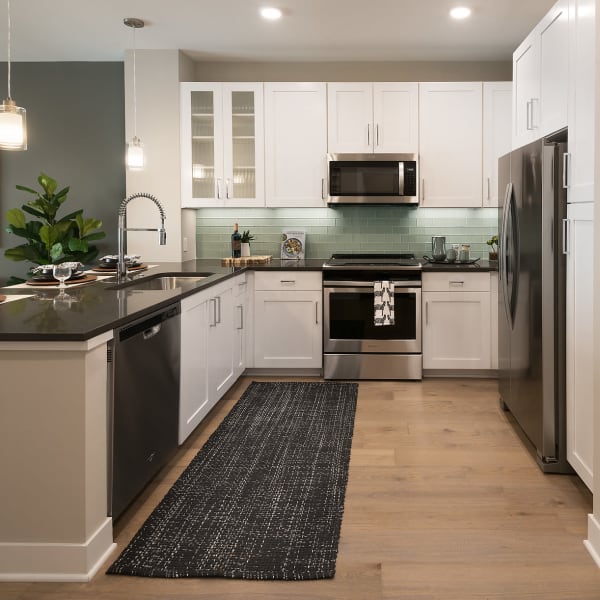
148	327
150	333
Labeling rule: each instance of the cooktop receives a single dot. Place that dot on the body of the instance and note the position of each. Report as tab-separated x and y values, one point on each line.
373	261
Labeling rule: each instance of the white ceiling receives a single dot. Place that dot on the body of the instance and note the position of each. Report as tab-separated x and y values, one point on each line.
311	30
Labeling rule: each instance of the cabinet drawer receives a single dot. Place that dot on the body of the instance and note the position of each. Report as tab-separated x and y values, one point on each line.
456	281
287	280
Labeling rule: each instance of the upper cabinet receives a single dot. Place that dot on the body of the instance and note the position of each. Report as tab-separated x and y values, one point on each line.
295	144
222	144
373	117
540	76
497	100
581	100
450	134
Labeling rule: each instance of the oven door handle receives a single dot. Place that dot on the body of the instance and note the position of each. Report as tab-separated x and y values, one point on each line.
359	290
369	284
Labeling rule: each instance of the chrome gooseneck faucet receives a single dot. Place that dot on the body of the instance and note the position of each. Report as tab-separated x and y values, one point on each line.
162	234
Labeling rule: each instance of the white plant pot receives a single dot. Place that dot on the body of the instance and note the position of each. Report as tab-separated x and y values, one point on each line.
245	249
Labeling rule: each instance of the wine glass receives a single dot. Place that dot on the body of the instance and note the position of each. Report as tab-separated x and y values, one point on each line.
61	272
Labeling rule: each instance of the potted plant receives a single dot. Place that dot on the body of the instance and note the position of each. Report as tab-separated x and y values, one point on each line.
50	239
246	237
493	244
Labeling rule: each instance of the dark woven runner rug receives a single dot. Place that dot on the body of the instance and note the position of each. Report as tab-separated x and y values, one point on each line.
263	498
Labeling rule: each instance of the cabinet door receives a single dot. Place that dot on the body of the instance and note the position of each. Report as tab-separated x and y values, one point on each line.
241	323
497	120
581	101
526	91
295	144
450	121
580	340
287	329
396	117
220	342
201	145
193	396
456	330
350	117
494	319
554	68
243	130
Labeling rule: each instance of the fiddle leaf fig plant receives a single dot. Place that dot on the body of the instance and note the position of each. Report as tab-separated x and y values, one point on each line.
50	239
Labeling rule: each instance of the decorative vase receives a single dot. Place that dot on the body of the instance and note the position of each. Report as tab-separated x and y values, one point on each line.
245	249
492	256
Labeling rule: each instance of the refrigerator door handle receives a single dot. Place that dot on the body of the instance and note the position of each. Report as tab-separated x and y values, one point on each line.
513	219
502	275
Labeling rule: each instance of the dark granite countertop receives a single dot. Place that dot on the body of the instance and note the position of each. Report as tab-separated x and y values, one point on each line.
89	310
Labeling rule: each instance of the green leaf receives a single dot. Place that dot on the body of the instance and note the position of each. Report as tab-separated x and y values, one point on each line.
94	236
77	245
16	254
62	195
56	251
33	211
71	216
26	189
47	183
16	218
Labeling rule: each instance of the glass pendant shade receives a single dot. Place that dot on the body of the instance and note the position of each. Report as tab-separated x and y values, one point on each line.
135	154
13	126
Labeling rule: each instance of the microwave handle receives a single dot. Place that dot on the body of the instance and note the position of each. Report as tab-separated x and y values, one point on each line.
401	178
323	188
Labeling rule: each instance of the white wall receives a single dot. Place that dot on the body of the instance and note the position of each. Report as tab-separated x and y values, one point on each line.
158	73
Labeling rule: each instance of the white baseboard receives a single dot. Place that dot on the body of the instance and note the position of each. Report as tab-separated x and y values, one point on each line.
593	540
57	561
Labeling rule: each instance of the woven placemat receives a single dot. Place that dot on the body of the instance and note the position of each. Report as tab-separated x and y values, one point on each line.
263	498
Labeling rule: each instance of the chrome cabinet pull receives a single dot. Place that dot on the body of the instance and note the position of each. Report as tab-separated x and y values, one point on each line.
377	134
489	196
316	312
427	312
219	305
287	281
528	118
457	283
227	181
218	184
423	189
565	240
323	189
566	169
241	325
213	305
368	134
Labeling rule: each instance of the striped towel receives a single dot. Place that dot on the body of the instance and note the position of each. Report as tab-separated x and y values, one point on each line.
383	302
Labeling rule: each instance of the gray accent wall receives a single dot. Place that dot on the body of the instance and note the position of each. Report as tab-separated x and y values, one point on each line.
76	134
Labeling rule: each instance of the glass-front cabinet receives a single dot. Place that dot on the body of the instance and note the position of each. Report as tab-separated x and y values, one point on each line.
222	144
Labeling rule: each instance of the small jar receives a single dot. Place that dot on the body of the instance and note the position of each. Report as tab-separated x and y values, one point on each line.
465	250
452	254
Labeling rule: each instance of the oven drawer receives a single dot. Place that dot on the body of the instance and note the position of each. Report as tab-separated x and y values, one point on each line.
456	282
287	280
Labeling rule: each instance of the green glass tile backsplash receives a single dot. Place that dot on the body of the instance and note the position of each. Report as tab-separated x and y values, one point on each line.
346	229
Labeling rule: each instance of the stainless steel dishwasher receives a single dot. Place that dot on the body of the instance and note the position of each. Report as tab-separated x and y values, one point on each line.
144	378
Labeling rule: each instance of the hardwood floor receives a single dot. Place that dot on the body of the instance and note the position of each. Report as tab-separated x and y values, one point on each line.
444	501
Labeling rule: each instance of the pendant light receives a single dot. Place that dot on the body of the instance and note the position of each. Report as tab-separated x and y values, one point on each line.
135	148
13	125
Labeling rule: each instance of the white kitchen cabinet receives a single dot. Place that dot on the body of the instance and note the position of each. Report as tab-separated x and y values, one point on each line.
540	78
373	117
296	144
450	137
194	401
456	321
580	340
581	100
288	330
242	322
494	319
222	144
497	120
212	349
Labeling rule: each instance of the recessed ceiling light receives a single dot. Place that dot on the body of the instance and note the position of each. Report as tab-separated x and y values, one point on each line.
270	13
460	12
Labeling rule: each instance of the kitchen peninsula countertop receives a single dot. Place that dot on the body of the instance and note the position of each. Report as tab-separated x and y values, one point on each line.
86	311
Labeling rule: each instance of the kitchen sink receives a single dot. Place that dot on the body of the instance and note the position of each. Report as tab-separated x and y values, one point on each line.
163	281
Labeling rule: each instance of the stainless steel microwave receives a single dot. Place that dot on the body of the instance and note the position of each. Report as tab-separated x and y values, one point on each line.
372	179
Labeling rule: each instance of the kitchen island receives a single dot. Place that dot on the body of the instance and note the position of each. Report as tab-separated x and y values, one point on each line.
54	420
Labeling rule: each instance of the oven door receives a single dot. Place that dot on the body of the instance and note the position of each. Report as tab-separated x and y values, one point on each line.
349	319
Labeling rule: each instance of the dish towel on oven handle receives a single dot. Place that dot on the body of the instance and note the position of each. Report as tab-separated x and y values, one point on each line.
383	303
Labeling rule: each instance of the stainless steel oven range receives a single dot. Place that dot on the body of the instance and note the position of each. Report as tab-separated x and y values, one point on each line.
353	346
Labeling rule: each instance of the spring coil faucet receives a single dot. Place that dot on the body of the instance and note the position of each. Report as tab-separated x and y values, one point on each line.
162	233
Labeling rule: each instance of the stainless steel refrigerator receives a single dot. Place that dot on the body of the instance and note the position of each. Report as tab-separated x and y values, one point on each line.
531	290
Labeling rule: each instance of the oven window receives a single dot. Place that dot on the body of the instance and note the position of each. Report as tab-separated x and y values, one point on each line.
351	178
351	317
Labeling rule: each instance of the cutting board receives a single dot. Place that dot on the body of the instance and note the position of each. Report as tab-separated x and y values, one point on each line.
242	261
